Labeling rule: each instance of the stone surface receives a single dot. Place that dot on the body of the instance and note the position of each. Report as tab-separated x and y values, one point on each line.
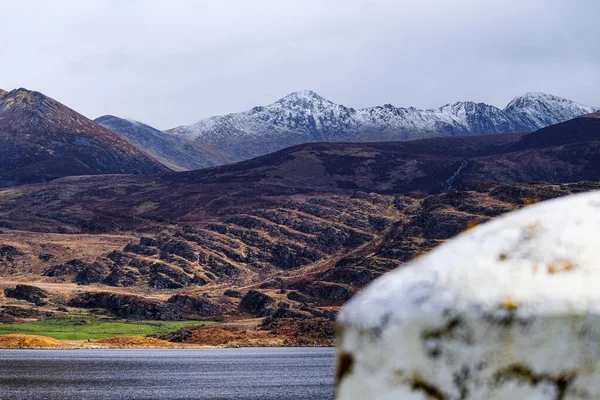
256	303
32	294
508	310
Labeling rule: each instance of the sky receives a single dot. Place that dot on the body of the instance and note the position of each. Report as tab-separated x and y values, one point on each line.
171	63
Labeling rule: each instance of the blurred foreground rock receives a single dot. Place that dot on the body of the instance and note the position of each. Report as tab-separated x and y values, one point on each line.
508	310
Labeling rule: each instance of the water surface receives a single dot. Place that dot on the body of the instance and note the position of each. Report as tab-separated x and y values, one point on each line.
250	373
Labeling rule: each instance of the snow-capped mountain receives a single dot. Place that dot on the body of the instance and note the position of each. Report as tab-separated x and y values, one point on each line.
306	117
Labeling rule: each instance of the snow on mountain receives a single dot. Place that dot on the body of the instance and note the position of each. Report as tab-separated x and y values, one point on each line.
539	110
305	116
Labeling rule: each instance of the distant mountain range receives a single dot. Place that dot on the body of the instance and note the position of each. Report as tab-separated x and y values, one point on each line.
305	117
308	113
41	139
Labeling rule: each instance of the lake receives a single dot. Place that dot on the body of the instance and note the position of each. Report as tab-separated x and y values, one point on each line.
248	373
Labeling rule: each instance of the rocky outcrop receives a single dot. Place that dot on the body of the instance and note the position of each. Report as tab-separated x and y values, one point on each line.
180	248
295	296
194	306
126	306
8	253
508	310
327	293
256	303
163	276
32	294
232	293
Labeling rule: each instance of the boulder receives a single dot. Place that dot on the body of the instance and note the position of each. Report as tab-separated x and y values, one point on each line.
508	310
256	303
28	293
232	293
8	253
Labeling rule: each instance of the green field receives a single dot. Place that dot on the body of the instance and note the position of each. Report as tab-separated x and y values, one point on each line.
84	327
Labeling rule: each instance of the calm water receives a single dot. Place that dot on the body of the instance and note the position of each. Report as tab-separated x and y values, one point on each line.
258	373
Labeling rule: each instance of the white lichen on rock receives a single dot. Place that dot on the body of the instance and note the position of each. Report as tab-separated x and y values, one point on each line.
507	310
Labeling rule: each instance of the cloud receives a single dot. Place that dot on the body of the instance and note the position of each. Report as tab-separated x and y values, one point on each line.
172	63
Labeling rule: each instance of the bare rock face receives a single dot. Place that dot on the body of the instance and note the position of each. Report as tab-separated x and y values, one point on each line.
32	294
194	306
256	303
126	306
508	310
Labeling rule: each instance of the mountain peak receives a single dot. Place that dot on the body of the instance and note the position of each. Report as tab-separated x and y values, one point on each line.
25	100
536	98
42	139
303	94
303	99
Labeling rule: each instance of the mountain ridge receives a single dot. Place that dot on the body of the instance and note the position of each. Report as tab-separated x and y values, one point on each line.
298	107
306	117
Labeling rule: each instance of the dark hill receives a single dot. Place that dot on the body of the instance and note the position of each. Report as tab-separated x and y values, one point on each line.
41	140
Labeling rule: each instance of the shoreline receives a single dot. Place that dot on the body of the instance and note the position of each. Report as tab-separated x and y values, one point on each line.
39	342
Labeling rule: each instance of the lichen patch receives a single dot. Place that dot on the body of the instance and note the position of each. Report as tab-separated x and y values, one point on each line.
560	267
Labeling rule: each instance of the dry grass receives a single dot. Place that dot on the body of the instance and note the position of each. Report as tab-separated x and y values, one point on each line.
16	341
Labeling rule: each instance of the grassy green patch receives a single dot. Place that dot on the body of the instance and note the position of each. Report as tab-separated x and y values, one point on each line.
83	327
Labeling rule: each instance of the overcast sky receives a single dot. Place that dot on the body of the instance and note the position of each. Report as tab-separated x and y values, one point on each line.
173	62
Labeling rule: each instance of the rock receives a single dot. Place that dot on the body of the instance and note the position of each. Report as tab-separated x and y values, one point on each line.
70	268
163	276
508	310
256	303
19	312
328	293
348	275
91	273
300	298
28	293
193	306
179	248
126	306
283	312
140	249
179	336
45	257
8	253
221	267
120	276
147	241
233	293
198	280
